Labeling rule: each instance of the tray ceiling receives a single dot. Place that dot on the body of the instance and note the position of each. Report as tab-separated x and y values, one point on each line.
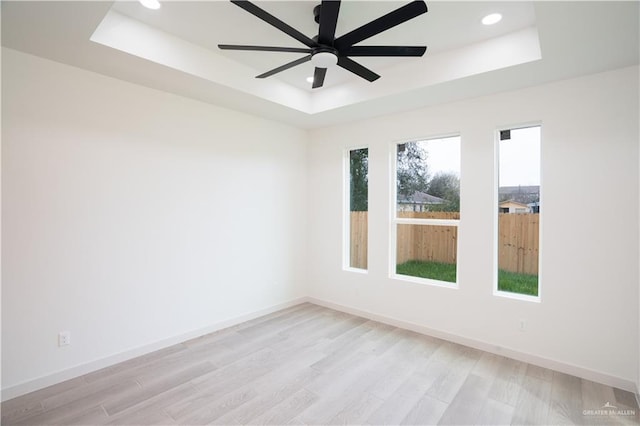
175	49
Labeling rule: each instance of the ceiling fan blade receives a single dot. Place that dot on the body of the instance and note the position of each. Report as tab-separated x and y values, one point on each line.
264	48
329	10
357	69
318	77
385	51
285	67
390	20
275	22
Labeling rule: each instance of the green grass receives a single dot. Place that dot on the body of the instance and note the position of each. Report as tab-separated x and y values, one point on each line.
517	283
507	281
432	270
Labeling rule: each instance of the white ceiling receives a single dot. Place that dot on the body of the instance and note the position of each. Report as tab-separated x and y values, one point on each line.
175	49
208	24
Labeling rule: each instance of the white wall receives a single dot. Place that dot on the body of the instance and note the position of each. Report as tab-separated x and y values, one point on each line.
587	321
132	216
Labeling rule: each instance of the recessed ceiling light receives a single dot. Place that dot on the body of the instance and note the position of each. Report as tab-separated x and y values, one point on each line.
309	79
491	19
150	4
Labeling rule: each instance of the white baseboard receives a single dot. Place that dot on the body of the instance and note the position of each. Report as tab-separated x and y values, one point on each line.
79	370
551	364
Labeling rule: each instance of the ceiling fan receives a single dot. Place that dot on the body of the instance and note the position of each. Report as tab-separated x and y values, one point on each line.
325	50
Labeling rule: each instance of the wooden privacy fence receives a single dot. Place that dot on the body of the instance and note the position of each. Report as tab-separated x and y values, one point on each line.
425	242
359	240
518	240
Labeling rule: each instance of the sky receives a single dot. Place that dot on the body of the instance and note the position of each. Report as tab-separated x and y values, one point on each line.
443	155
519	157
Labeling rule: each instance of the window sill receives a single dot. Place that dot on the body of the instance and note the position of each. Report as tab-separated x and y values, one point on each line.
425	281
356	270
517	296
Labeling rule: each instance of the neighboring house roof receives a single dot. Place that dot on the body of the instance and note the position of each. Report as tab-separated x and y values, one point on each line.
513	203
530	189
521	194
420	197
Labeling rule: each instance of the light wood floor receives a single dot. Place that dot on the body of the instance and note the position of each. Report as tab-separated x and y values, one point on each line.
312	365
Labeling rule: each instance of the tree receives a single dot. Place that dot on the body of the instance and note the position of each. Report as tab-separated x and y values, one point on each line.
447	187
412	172
359	180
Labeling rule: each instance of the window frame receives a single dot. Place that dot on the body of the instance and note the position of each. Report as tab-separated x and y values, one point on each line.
346	208
496	215
394	220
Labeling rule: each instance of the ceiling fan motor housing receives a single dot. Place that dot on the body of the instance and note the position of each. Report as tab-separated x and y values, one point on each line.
316	13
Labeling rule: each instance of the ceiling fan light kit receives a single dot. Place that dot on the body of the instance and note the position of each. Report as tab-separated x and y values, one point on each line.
325	50
151	4
324	59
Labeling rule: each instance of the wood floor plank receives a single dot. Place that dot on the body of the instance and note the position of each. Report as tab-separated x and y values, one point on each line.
539	372
153	362
71	406
323	327
346	387
533	402
92	416
21	412
454	374
468	403
488	365
101	391
566	400
350	331
274	380
625	398
34	398
216	408
311	365
426	411
244	365
401	361
381	339
397	407
287	410
279	321
341	377
508	381
599	397
496	413
153	410
136	396
357	410
282	386
392	376
144	360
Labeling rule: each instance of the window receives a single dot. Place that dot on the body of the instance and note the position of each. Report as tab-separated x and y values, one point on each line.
426	210
356	222
518	211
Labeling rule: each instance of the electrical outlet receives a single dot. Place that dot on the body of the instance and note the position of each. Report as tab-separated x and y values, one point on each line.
64	338
522	325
